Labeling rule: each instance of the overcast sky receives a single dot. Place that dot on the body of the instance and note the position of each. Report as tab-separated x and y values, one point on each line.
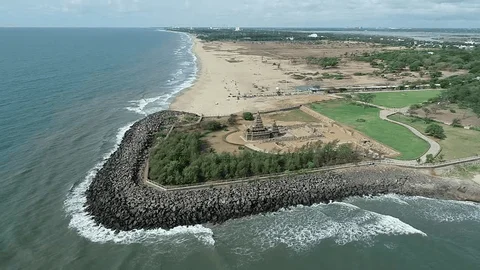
265	13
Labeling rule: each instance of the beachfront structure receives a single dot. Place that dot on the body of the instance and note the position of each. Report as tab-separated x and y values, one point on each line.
257	131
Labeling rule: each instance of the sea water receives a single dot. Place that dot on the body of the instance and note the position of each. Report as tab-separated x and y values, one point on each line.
67	96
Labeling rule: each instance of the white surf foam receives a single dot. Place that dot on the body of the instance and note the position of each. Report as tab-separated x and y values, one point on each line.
433	209
178	81
300	228
74	205
398	199
84	224
446	210
138	106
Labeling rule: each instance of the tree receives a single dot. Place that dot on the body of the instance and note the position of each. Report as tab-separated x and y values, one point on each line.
435	74
212	125
415	66
457	123
426	111
366	97
430	159
232	120
248	116
436	131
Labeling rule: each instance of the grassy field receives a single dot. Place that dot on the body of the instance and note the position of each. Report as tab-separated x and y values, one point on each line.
459	142
294	116
392	135
403	99
464	171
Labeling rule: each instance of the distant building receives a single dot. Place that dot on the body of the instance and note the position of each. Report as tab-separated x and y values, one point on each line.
237	29
313	36
258	131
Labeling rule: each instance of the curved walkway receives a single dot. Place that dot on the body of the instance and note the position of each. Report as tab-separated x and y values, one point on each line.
434	146
385	112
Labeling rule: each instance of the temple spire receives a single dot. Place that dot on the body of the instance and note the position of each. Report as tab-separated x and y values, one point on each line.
258	123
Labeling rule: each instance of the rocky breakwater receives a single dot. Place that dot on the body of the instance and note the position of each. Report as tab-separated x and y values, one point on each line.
118	200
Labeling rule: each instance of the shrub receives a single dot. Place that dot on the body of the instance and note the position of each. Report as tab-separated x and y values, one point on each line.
428	120
436	131
430	159
324	62
212	125
416	106
452	111
361	120
248	116
457	123
232	120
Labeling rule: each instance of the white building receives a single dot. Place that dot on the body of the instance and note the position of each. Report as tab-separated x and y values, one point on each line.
237	29
313	36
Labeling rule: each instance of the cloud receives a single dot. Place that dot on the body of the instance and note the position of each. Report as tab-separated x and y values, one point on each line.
314	13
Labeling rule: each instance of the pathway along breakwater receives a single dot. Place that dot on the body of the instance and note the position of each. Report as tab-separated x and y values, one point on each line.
118	199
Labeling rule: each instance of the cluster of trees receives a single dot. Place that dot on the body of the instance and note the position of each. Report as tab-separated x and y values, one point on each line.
463	90
184	158
433	62
325	62
286	35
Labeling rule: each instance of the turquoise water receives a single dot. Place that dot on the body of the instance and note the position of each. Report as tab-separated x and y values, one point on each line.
67	96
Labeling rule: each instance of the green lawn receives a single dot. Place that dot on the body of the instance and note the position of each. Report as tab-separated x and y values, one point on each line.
294	116
403	99
392	135
459	143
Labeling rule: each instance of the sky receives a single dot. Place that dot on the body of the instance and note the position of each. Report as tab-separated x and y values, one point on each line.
241	13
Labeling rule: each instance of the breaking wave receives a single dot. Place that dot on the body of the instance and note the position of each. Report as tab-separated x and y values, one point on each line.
300	228
74	205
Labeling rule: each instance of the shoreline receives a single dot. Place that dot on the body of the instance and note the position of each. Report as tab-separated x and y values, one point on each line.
118	199
223	73
198	74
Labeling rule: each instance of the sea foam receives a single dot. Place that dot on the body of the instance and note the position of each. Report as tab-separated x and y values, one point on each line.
74	205
84	224
432	209
177	83
300	228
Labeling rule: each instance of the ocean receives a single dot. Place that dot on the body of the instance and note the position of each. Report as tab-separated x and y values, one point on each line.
67	96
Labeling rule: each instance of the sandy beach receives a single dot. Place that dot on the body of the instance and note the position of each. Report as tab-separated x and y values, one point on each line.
224	72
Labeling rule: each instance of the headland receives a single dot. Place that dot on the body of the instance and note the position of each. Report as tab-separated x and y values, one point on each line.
119	200
337	98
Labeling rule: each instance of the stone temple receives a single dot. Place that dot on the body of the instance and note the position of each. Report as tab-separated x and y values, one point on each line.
258	131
